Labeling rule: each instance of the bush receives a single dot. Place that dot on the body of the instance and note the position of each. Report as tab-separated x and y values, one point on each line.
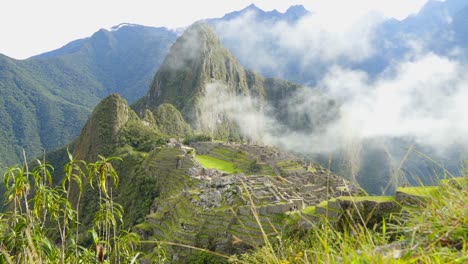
198	138
254	167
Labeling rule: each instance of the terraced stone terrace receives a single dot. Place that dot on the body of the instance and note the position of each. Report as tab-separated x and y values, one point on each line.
372	209
210	198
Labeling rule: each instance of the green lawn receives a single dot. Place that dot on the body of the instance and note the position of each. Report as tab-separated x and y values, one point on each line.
368	198
310	210
214	163
325	203
420	191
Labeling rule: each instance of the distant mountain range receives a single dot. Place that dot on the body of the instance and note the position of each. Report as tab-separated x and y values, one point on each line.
255	37
291	15
46	99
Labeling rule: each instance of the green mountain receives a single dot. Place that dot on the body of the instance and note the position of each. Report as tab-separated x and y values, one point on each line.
46	99
123	60
196	59
197	194
198	68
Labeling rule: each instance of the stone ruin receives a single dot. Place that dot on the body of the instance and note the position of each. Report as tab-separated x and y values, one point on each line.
217	210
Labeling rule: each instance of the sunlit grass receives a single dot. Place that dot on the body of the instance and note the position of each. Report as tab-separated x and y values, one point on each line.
310	210
368	198
434	233
214	163
420	190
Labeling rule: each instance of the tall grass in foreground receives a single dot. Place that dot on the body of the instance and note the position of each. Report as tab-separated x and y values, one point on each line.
42	226
434	233
42	223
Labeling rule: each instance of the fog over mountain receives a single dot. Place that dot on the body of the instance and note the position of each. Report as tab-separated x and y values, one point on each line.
387	82
396	83
257	137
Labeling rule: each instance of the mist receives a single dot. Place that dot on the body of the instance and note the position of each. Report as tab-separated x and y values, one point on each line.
419	101
423	99
301	50
415	100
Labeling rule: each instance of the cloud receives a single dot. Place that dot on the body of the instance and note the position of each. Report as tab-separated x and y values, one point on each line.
357	8
220	103
303	49
422	100
364	122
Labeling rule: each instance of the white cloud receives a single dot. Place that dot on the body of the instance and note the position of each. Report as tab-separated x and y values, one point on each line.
301	51
31	27
423	100
353	10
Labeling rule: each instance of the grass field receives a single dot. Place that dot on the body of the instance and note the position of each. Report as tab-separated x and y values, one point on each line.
214	163
368	198
420	191
310	210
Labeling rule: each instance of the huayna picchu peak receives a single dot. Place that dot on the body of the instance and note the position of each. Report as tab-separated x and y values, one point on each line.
196	59
197	68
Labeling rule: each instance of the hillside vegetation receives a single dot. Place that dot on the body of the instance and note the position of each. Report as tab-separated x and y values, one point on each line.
45	100
435	231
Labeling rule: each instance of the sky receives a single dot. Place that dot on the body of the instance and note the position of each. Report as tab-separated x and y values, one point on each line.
30	27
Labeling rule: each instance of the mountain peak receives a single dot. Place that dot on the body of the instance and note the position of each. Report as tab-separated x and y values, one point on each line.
101	129
295	12
195	60
252	7
291	15
297	9
121	25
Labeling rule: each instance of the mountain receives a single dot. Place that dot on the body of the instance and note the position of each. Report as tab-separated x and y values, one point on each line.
296	51
171	192
196	194
199	73
239	31
226	197
292	15
47	98
261	39
194	61
123	59
437	26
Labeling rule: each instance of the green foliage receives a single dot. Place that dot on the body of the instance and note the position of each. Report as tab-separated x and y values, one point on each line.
140	188
141	137
368	198
214	163
36	111
43	227
197	138
443	223
45	100
254	167
310	210
425	191
202	257
170	121
434	233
